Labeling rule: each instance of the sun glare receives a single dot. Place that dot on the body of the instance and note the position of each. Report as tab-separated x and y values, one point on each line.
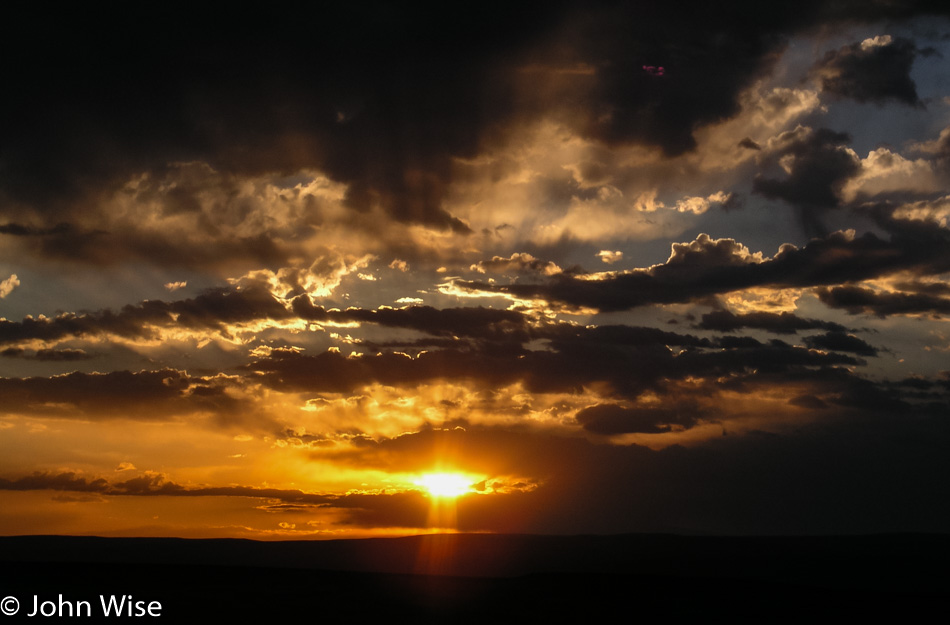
444	485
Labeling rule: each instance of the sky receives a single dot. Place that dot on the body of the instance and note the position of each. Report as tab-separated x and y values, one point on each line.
611	267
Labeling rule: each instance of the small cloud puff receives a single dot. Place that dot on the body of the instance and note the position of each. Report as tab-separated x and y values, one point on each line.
610	257
8	285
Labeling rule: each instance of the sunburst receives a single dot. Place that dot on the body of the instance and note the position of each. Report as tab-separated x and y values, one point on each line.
445	485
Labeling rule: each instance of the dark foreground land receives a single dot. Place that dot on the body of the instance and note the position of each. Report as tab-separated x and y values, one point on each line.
490	579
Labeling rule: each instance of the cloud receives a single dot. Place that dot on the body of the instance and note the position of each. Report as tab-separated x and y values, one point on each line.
388	123
517	263
709	266
7	286
699	205
46	355
842	342
856	300
885	172
212	311
817	165
874	70
618	361
939	147
749	144
150	484
934	211
21	230
145	395
779	323
633	106
610	257
319	279
765	111
121	242
608	419
502	325
808	402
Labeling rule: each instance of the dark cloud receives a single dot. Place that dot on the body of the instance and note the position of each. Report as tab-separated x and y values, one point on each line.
775	357
857	300
620	362
718	53
825	486
925	288
709	267
46	355
779	323
366	100
684	276
413	347
875	70
215	309
101	247
489	323
564	336
628	105
152	484
750	144
842	342
211	311
917	382
20	230
61	481
738	342
610	419
809	402
817	165
145	395
332	372
733	201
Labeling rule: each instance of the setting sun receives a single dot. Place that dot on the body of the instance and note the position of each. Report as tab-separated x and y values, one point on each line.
445	484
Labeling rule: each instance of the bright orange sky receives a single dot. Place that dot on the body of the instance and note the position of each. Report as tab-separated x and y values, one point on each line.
261	287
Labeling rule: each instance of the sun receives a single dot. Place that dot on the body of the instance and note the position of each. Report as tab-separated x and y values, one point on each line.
445	485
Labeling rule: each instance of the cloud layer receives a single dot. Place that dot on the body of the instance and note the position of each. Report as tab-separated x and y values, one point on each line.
277	277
